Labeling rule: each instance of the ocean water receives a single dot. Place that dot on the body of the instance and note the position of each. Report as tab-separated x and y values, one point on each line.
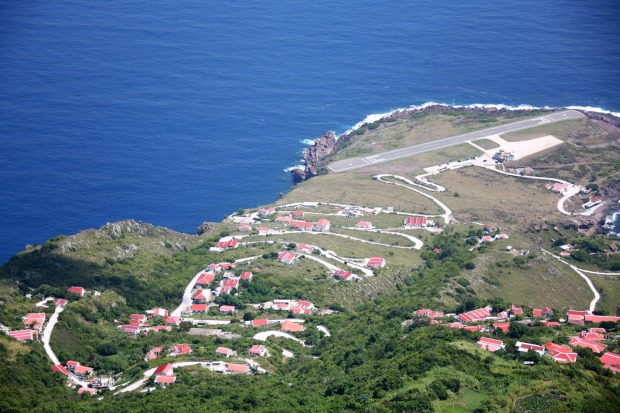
179	112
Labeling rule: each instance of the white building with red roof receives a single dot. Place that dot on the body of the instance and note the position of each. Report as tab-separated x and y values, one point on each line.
292	327
592	345
61	302
180	349
475	315
35	320
227	309
164	370
226	243
205	278
23	335
245	228
515	310
305	248
266	211
522	347
154	353
611	361
259	350
60	369
247	275
490	344
344	275
87	390
159	312
163	381
322	225
133	330
264	231
225	351
232	368
77	290
287	257
376	262
415	222
202	296
199	308
301	225
364	225
259	322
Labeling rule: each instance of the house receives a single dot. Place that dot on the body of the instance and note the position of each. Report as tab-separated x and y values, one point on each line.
163	381
133	330
301	225
77	290
205	278
298	310
600	318
364	225
415	222
199	307
202	296
259	350
564	357
284	218
345	275
298	214
82	372
597	330
172	320
422	312
592	345
246	275
490	228
557	348
60	369
164	370
229	285
34	320
561	188
551	324
576	317
264	231
216	268
592	336
487	238
162	328
287	257
594	201
613	247
456	325
322	225
227	309
23	335
376	262
225	351
303	304
475	315
154	353
137	318
502	236
435	314
305	248
159	312
263	212
515	310
473	328
490	344
525	347
233	368
260	322
87	390
245	228
60	302
227	243
502	326
611	361
564	254
180	349
292	327
544	312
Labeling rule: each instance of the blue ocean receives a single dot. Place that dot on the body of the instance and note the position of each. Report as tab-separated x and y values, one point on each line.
179	112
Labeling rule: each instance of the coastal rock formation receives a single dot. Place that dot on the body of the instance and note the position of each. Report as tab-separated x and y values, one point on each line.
314	154
204	228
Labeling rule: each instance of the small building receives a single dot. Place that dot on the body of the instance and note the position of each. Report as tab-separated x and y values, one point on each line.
159	312
164	370
342	274
263	212
376	262
525	347
245	228
154	353
592	345
415	222
202	296
225	351
77	290
322	225
232	368
227	243
163	381
246	275
502	326
132	330
82	372
60	302
87	390
287	257
364	225
180	350
264	231
515	310
292	327
490	344
230	309
305	248
205	278
259	350
23	335
199	308
259	322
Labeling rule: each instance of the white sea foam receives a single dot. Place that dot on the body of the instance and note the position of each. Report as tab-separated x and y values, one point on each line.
291	168
377	116
307	141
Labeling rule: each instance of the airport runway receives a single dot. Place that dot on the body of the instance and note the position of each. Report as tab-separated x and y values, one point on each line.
354	163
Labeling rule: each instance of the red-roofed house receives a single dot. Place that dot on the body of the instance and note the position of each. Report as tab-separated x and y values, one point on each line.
180	349
229	285
322	225
34	319
545	312
305	248
77	290
138	318
60	302
164	369
199	307
561	188
591	318
303	304
422	312
247	275
160	312
490	344
227	243
245	228
473	328
551	323
61	369
591	336
292	327
287	257
475	315
205	278
259	350
564	357
516	310
227	309
82	371
260	322
502	326
133	330
363	225
172	320
23	335
376	262
610	358
154	353
162	328
202	296
557	348
525	347
345	275
264	231
225	351
592	345
298	214
284	218
415	222
163	381
266	211
301	225
487	238
233	368
456	325
87	390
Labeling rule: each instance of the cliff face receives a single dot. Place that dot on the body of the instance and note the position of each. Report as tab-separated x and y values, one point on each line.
315	152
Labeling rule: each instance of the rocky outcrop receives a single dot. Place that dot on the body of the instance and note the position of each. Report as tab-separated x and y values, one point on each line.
204	228
314	155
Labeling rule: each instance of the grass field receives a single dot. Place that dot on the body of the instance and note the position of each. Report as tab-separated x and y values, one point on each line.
487	143
579	131
609	288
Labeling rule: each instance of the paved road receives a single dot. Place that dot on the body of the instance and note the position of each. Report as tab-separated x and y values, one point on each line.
354	163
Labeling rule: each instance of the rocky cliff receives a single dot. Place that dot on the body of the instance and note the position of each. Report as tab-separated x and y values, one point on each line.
314	154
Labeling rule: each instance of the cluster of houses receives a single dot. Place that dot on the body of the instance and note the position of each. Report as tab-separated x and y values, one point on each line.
84	373
173	351
34	323
559	187
559	353
417	222
138	323
289	326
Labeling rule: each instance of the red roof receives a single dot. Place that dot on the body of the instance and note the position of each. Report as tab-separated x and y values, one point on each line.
230	282
182	349
60	368
61	302
594	346
305	248
34	318
564	357
557	348
227	243
435	314
610	358
78	290
165	379
227	308
322	223
164	328
286	256
246	275
172	320
415	221
527	347
160	312
455	325
375	261
87	390
22	335
238	368
474	315
257	349
224	350
139	317
551	324
163	369
292	327
200	295
592	336
82	370
199	307
298	213
600	318
345	275
490	344
72	363
260	322
502	326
